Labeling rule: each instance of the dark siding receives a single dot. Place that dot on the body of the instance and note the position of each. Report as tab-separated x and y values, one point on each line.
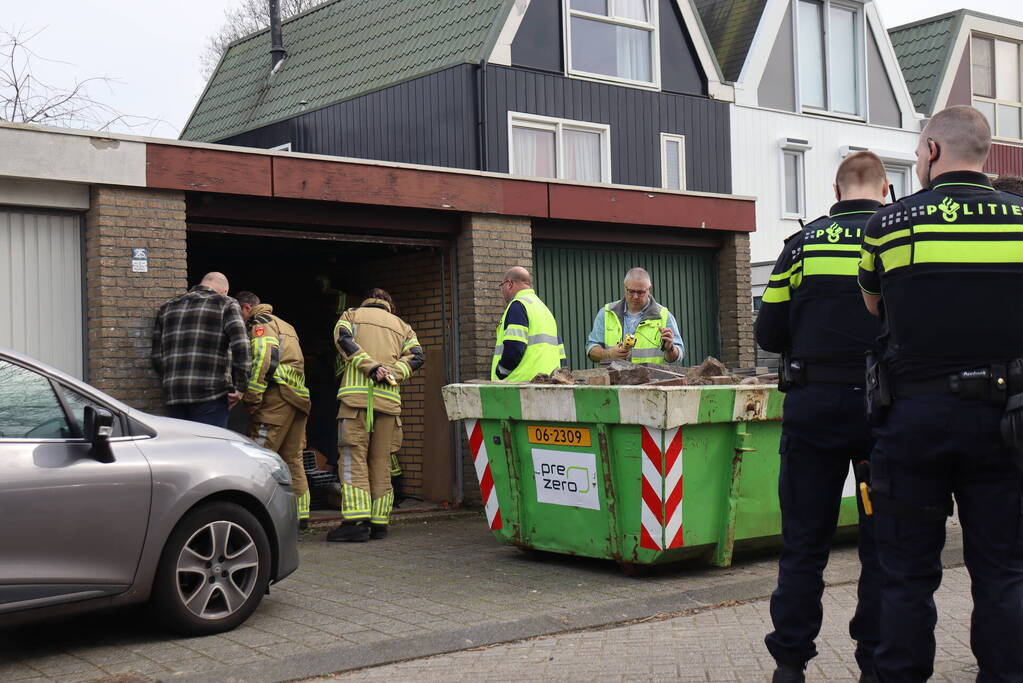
537	43
429	120
637	118
680	67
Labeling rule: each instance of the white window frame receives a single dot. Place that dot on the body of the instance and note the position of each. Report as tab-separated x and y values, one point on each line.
900	162
994	78
861	59
653	27
796	148
906	169
559	126
286	147
681	140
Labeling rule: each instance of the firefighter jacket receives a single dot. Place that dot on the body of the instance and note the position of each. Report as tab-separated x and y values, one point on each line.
368	337
276	359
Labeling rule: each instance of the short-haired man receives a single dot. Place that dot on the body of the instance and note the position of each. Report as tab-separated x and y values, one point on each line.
193	336
276	394
637	315
380	351
813	315
527	336
1008	183
947	262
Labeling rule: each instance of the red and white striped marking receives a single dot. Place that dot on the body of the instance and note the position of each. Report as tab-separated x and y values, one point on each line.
479	455
661	514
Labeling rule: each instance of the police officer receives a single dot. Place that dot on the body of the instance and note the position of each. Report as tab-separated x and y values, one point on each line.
276	394
947	264
656	333
380	351
527	336
813	315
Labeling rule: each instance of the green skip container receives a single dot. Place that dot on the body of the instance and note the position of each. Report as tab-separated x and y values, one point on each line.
636	474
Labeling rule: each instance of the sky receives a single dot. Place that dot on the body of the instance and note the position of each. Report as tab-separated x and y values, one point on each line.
151	47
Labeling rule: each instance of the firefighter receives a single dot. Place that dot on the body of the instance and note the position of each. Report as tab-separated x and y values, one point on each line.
380	351
276	394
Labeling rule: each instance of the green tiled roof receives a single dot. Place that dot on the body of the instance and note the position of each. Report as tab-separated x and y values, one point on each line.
730	27
924	49
338	50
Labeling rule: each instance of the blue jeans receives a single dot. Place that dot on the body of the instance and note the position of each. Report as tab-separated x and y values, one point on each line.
207	412
824	431
930	449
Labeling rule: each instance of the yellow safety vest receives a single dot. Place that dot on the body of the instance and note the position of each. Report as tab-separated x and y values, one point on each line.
648	335
543	348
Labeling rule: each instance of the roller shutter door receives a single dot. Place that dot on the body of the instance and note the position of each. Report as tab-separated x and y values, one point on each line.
576	280
41	287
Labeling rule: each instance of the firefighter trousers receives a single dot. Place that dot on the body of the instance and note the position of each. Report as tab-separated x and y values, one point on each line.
280	427
364	465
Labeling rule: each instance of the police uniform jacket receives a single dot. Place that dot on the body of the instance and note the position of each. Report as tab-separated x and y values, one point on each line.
812	307
948	262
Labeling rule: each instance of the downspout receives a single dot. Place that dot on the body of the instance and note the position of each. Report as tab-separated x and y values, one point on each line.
481	114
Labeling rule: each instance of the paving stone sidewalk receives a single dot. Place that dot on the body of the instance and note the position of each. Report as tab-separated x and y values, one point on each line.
436	585
717	644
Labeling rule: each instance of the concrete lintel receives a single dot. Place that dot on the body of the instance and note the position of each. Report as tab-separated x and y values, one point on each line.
44	194
33	154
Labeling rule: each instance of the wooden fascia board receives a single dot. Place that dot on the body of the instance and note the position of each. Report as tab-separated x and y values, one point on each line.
748	86
892	67
231	172
500	53
716	86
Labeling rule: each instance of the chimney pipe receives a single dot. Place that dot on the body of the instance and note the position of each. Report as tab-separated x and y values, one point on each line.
277	51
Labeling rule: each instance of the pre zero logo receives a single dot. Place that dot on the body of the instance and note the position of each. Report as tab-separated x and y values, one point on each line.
566	478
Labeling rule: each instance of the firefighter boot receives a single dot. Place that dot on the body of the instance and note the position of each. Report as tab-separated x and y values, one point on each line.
349	532
377	531
788	673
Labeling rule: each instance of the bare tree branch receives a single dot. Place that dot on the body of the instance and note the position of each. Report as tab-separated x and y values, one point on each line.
248	17
26	99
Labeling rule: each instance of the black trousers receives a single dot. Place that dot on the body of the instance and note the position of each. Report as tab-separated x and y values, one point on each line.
824	430
930	449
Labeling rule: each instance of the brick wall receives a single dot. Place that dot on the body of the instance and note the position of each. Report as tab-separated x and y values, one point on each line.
121	303
735	304
487	247
414	282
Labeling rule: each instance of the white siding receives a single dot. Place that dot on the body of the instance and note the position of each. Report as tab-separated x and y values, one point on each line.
41	287
756	165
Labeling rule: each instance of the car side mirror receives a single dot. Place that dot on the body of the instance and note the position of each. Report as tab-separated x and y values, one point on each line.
97	428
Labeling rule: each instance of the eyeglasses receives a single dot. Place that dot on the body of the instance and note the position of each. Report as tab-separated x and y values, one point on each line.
502	283
636	292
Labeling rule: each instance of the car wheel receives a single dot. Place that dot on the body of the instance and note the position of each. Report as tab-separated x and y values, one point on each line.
213	571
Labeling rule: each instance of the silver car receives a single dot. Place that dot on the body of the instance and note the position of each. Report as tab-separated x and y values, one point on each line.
102	505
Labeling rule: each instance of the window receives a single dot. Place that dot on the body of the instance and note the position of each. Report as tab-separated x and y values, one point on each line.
899	179
794	202
613	39
673	162
76	403
996	84
830	56
543	147
28	407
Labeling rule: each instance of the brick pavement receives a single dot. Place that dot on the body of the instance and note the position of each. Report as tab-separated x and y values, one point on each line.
716	644
433	586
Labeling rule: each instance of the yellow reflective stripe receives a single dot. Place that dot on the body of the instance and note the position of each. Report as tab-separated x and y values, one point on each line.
410	343
969	252
358	357
895	257
343	324
796	279
831	247
830	265
776	295
406	371
796	267
878	241
517	332
968	229
867	260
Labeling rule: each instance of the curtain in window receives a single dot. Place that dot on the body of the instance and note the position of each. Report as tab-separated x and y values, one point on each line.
581	152
632	9
811	55
842	49
633	52
533	152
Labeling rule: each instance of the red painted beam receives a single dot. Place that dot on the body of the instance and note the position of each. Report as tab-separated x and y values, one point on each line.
1005	160
580	203
340	181
208	170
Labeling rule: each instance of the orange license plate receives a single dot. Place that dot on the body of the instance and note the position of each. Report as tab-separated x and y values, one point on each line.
559	436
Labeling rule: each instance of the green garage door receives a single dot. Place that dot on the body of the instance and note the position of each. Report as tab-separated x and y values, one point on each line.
575	281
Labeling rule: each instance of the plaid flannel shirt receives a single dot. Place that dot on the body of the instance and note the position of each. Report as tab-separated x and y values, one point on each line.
192	338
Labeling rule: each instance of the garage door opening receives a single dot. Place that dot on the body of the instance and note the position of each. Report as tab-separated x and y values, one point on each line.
310	279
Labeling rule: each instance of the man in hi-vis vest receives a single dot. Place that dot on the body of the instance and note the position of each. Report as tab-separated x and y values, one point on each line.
527	336
635	328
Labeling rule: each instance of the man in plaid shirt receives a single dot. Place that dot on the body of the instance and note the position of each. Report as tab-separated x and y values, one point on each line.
192	339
